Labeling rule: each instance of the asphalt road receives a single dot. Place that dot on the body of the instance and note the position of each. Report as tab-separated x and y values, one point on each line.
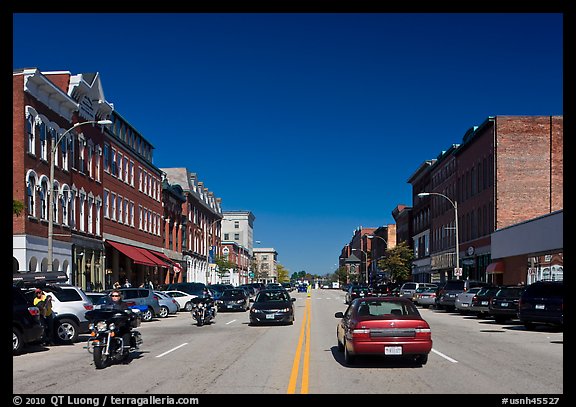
470	356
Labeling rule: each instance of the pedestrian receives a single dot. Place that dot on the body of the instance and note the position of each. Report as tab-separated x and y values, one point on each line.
127	283
44	304
116	285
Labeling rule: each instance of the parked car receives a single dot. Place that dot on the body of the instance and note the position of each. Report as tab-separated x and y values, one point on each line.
168	305
69	305
447	293
288	286
480	305
464	299
182	298
249	289
272	306
356	291
95	297
383	326
27	327
426	298
195	289
218	289
408	289
542	303
234	299
504	304
420	289
142	296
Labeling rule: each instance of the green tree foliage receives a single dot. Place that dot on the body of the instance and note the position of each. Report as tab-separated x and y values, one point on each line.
282	273
398	261
17	207
341	275
224	265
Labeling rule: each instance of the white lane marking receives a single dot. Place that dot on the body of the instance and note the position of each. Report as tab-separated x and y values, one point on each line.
444	356
230	322
172	350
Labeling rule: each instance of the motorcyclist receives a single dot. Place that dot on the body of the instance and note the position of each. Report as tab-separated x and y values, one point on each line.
115	302
208	300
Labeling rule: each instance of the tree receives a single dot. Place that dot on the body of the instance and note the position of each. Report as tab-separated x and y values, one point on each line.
282	273
398	261
224	265
17	207
341	275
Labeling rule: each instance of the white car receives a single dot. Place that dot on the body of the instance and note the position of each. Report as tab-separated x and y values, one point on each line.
182	298
464	300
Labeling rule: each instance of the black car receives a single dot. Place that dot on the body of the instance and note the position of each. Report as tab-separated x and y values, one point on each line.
27	327
357	291
542	303
272	306
196	289
480	305
234	299
446	293
504	304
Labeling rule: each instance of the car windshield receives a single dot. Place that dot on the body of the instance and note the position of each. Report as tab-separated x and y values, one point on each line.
272	296
233	294
382	308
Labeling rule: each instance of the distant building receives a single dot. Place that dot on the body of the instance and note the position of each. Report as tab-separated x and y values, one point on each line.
265	260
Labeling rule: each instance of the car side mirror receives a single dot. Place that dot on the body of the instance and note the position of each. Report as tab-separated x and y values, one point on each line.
251	299
293	299
339	314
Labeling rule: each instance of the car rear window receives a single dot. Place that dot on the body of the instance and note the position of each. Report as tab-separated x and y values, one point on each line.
454	285
509	292
379	308
67	295
545	290
409	286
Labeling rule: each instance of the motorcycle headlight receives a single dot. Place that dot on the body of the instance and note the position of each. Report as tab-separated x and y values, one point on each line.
101	325
112	327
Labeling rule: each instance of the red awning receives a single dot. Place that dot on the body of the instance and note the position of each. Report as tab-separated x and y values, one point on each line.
133	252
495	267
147	253
163	257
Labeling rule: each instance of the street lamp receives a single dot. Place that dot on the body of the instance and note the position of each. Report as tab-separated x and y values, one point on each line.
366	262
455	205
51	190
385	242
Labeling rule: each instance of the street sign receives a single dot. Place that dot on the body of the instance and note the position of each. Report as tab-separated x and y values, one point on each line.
458	271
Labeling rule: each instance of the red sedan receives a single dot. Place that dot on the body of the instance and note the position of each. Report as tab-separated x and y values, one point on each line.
383	326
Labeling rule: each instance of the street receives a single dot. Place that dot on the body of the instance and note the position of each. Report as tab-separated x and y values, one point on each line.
470	356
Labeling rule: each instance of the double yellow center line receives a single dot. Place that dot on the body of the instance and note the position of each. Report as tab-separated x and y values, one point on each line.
304	336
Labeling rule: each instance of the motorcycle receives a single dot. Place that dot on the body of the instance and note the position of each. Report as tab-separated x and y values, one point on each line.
111	335
203	310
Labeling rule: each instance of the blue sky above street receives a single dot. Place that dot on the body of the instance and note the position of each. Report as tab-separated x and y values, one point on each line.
314	122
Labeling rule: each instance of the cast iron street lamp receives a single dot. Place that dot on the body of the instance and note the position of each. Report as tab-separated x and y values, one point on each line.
51	190
366	262
455	205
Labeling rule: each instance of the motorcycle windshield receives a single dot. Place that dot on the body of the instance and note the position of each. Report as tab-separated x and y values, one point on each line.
105	314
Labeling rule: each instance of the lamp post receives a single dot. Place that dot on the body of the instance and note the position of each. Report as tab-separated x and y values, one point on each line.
455	205
51	190
366	262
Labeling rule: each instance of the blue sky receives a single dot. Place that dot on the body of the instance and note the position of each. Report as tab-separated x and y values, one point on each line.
314	122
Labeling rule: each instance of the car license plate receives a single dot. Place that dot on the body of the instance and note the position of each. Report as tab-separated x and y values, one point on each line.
228	306
464	305
484	302
269	316
504	304
539	306
392	350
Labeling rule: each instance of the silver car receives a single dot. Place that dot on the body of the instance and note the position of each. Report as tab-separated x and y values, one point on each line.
426	298
168	305
464	300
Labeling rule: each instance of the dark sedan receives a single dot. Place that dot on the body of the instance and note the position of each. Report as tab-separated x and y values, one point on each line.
235	299
356	291
383	326
480	305
504	304
272	306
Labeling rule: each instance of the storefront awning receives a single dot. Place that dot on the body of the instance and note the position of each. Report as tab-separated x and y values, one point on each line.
133	252
495	267
147	253
163	257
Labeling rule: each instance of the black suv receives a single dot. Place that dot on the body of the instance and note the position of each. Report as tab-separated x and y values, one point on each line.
542	303
27	327
504	305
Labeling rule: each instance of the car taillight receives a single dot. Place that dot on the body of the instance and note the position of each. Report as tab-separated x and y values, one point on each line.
130	303
34	311
360	333
423	333
88	307
156	297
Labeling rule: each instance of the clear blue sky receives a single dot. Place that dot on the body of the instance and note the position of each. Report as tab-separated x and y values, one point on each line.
314	122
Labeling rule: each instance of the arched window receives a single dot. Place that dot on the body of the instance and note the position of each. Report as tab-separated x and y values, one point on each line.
30	134
43	192
31	194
